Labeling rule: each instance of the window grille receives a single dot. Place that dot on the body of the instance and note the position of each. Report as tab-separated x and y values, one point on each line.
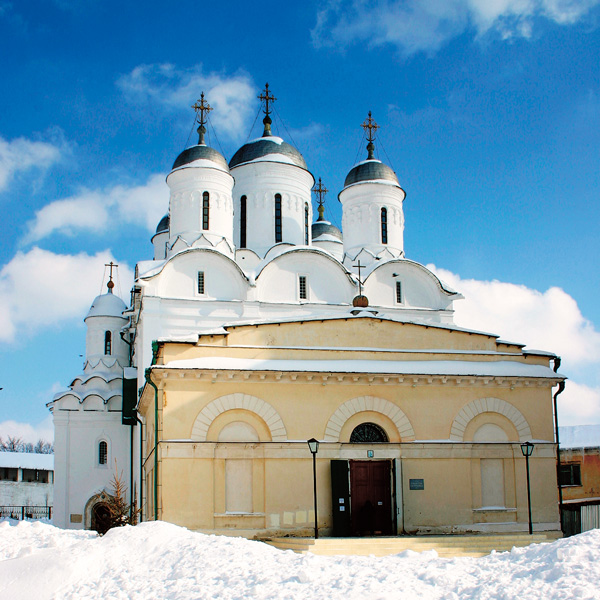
102	453
243	222
201	282
107	343
302	287
368	433
384	230
399	292
278	231
205	211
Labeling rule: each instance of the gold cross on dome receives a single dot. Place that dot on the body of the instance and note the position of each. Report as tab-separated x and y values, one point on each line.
371	127
320	190
202	109
267	97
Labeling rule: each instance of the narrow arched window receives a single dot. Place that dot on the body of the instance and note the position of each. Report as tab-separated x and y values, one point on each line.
107	343
102	453
306	224
243	222
205	210
384	237
278	235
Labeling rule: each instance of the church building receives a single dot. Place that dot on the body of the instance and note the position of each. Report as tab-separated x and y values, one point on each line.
254	329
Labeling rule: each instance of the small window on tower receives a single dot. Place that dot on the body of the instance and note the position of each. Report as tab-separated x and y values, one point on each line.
201	282
278	230
399	292
384	231
205	210
306	224
243	204
302	291
107	343
102	453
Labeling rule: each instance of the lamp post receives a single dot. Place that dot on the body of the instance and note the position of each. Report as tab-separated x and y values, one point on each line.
313	446
527	450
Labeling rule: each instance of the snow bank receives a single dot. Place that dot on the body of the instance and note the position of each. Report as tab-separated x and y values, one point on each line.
159	561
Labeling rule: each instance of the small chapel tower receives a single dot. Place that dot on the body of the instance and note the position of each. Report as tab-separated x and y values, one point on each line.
104	322
373	219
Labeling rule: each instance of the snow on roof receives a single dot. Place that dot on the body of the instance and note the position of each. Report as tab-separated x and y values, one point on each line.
268	138
579	436
326	237
280	158
27	460
395	367
107	305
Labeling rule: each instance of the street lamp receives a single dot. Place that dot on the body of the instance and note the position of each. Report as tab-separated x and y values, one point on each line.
527	450
313	446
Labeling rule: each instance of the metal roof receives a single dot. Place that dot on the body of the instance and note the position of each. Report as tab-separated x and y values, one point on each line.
189	155
370	170
263	147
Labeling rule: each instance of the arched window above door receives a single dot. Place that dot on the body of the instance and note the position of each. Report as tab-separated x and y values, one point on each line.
368	433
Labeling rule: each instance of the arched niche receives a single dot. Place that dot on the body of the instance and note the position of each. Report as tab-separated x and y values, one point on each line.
233	424
493	411
256	410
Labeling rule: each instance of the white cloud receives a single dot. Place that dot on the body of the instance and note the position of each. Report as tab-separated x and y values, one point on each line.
233	98
96	210
579	404
41	289
27	432
425	25
548	321
22	154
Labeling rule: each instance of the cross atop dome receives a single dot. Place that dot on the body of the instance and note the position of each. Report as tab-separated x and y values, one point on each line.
111	284
267	97
370	128
320	190
202	109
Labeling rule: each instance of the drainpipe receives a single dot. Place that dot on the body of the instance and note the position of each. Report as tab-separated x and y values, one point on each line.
141	467
148	374
561	387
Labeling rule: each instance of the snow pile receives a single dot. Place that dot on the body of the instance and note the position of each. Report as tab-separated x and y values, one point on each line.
159	561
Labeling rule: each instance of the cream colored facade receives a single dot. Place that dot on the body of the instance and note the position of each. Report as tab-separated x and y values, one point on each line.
235	411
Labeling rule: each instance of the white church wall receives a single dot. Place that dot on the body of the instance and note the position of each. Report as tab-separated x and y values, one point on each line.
418	287
326	280
361	218
188	184
222	278
259	182
79	475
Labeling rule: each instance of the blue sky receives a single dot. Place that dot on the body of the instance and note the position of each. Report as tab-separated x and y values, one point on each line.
489	113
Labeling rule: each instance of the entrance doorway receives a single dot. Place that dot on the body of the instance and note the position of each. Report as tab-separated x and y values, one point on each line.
371	497
101	518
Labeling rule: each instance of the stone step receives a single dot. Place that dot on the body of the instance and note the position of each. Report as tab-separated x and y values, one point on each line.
446	546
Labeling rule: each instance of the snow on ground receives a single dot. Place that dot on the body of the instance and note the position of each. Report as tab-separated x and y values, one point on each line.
159	561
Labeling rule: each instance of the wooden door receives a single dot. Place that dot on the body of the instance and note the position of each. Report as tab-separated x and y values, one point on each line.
371	497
